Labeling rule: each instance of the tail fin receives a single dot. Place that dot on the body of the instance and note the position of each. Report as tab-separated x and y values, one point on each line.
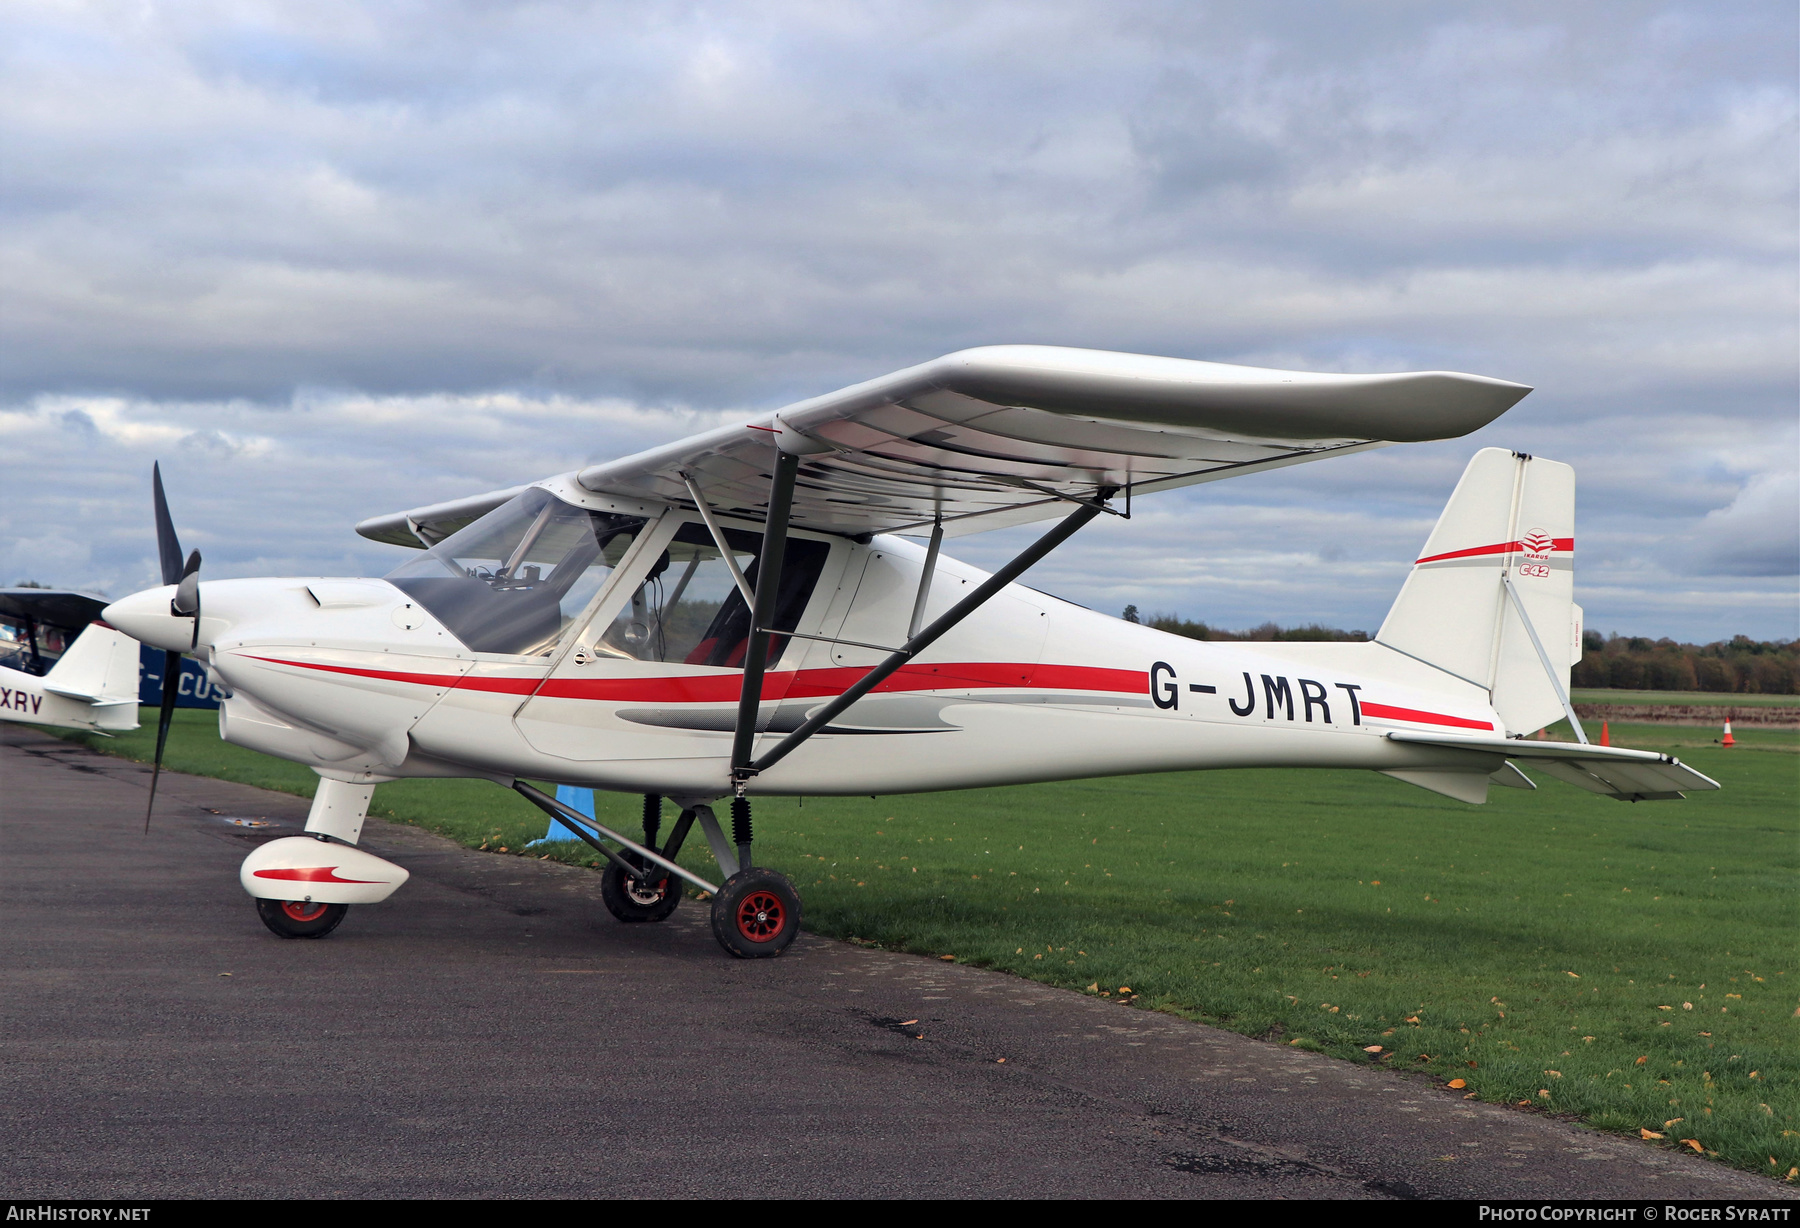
1510	520
100	667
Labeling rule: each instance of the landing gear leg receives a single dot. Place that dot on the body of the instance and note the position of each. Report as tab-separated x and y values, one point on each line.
757	911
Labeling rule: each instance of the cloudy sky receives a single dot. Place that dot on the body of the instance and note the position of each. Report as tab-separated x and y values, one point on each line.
327	260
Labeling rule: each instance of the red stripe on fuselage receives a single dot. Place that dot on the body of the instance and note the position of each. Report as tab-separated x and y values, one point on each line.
791	684
1556	543
1389	713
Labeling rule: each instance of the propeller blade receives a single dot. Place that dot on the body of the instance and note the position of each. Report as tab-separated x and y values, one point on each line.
171	681
168	547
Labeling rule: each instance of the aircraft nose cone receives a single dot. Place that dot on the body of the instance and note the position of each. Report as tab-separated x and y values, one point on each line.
145	617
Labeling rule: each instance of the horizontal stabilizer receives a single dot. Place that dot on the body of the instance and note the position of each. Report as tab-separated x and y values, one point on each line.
1629	775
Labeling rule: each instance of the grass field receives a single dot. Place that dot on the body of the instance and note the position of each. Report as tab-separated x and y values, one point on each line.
1632	966
1721	699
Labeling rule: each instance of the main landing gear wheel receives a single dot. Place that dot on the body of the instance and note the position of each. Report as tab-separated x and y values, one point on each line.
631	899
300	918
756	914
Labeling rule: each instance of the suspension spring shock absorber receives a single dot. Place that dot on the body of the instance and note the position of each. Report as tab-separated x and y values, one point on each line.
740	829
652	819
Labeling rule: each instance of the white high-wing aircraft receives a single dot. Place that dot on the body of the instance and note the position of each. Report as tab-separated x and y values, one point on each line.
736	615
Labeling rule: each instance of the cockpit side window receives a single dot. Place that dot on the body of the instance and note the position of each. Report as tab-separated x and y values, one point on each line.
514	579
688	610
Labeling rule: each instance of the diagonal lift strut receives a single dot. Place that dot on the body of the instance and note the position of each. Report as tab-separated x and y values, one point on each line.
768	581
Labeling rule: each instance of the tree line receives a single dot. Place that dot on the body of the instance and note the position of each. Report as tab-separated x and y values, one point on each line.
1739	665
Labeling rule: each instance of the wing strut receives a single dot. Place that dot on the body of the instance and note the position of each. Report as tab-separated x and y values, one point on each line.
762	612
718	536
1544	657
742	768
931	557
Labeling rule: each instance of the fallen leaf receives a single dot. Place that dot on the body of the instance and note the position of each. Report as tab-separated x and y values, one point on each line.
1124	989
1001	1060
1094	988
1643	1133
1576	975
1371	1048
1588	1039
1687	1006
1555	1074
946	957
1456	1084
1641	1060
1472	1066
1543	1093
1672	1121
1412	1019
907	1023
1695	1144
1665	1008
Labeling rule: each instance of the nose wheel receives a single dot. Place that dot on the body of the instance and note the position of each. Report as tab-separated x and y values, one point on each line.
756	914
300	918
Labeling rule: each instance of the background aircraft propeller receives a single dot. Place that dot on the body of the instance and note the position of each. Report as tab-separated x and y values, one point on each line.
186	578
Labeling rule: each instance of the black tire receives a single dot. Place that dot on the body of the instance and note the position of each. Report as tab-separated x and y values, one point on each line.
300	918
756	914
631	900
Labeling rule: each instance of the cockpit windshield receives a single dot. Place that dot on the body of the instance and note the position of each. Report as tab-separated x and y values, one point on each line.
514	579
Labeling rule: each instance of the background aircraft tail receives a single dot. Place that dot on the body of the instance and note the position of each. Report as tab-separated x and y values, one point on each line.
100	668
1510	522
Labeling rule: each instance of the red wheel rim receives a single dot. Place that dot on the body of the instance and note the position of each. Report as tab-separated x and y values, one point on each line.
761	916
302	910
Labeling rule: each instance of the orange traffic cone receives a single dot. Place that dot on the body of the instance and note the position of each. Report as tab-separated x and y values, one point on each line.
1728	740
1605	735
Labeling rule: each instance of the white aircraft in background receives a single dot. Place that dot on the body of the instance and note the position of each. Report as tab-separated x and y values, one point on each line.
735	615
60	667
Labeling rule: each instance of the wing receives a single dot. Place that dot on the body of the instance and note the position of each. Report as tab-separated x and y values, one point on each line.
1614	771
1004	435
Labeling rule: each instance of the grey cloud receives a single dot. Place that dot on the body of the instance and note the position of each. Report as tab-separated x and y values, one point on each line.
1757	534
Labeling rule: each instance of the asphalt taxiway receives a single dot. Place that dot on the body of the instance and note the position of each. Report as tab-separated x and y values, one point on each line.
492	1032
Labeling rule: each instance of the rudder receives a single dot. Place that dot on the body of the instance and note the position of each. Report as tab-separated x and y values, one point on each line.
1511	520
